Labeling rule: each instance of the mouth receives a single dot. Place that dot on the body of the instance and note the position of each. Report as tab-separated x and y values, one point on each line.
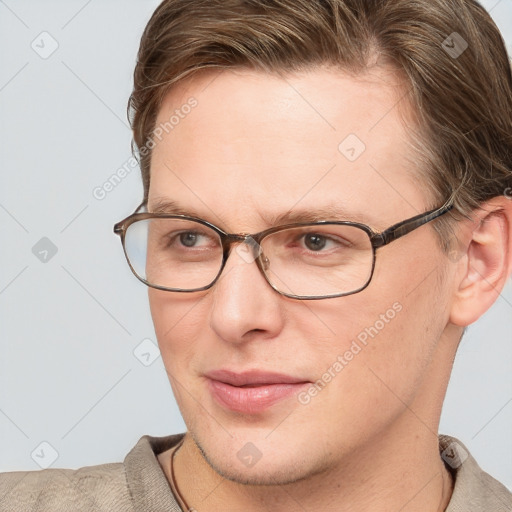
253	391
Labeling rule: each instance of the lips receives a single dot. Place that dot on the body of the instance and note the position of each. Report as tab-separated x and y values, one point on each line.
253	391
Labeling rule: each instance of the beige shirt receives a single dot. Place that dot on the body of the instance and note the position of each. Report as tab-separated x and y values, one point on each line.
139	484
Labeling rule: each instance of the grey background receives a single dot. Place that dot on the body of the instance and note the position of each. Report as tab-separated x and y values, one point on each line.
69	326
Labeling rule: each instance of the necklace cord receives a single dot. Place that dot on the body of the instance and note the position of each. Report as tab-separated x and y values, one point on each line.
173	478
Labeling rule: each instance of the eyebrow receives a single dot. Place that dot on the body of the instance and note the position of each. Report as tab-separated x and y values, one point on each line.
172	207
328	212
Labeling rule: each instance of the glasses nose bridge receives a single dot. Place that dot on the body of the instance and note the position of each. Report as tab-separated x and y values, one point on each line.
231	238
253	241
236	237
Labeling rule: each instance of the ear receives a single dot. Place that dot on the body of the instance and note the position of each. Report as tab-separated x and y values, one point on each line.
486	262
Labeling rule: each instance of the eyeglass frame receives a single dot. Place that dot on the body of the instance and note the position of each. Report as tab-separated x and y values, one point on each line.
377	240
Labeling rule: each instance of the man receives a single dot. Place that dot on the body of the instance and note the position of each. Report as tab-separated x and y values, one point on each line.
326	208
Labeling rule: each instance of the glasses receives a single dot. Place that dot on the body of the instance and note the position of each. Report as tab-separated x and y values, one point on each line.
318	260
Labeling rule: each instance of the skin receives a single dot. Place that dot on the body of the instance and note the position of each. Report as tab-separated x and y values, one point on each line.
256	146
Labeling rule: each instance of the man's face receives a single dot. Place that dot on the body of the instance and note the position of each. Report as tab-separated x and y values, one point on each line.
255	147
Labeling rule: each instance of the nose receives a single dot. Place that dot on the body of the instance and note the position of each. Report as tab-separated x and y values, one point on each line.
244	305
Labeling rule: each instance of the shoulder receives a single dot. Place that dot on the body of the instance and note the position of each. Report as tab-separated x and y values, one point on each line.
137	483
102	487
474	490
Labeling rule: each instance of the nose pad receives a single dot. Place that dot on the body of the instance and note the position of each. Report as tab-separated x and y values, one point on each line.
249	250
265	261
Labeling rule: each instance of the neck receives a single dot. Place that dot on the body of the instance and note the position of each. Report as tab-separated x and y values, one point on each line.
405	476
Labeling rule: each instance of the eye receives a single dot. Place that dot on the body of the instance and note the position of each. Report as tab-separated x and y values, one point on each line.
314	241
189	238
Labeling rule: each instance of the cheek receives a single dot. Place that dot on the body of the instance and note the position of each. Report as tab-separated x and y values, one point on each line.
383	341
178	322
365	375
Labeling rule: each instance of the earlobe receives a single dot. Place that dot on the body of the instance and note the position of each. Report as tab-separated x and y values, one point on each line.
487	262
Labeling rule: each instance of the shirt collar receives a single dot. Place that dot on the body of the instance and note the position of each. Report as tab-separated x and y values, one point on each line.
147	483
473	489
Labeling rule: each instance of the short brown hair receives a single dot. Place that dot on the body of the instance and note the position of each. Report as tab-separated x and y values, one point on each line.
461	97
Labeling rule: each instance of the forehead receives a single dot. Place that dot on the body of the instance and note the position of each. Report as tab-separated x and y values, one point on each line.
255	145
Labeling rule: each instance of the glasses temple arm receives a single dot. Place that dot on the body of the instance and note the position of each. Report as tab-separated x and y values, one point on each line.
406	226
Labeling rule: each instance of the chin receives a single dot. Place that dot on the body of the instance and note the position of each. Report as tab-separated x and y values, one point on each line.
249	466
276	474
